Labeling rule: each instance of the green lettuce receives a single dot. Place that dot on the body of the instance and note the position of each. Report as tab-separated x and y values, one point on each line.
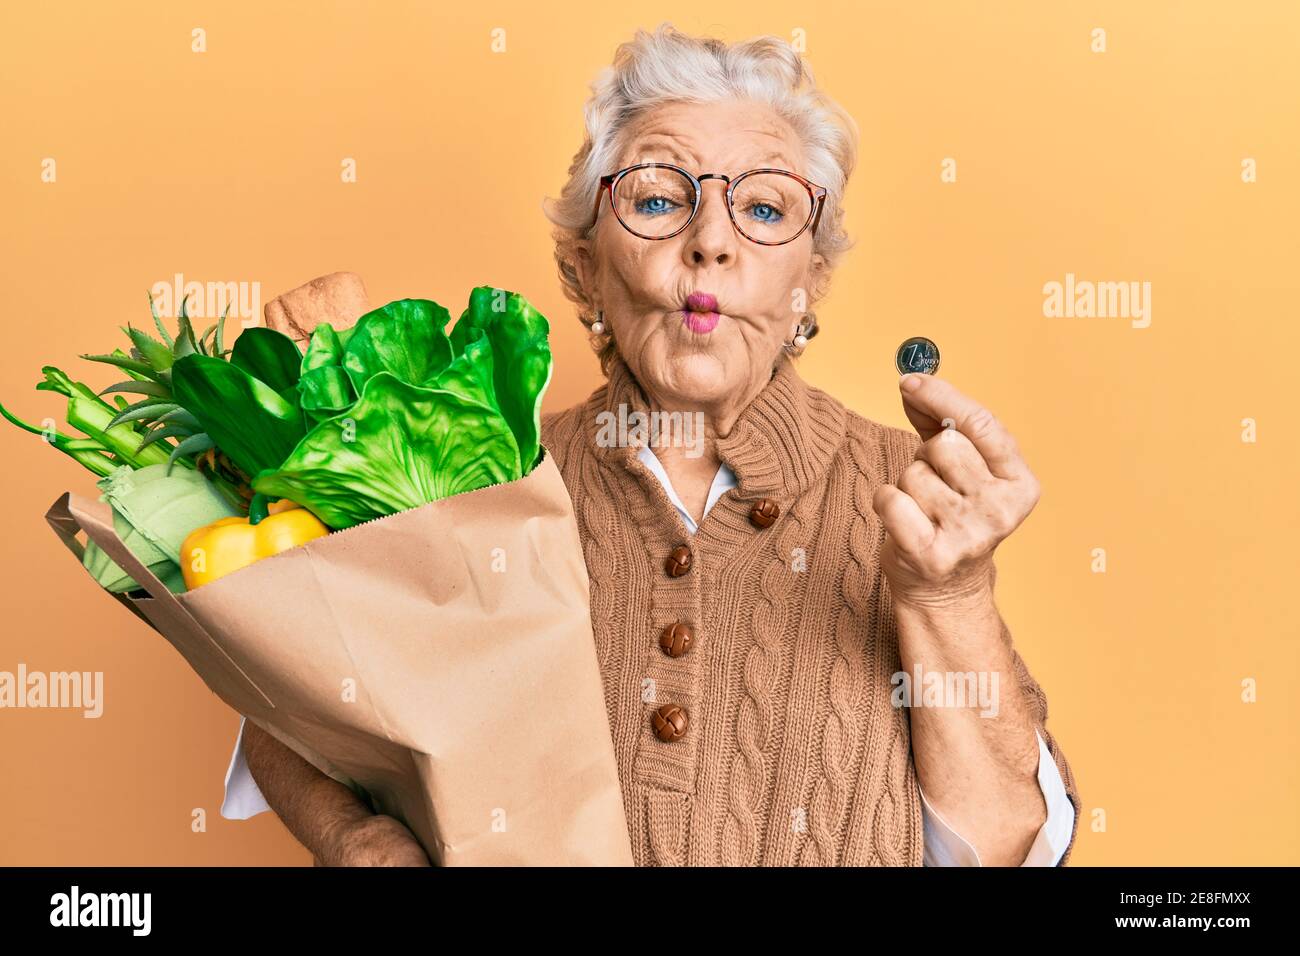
517	334
406	337
399	413
400	446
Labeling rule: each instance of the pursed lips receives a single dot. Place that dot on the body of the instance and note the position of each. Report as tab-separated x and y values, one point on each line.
701	313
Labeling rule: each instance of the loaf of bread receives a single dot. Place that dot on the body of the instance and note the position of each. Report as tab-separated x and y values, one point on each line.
338	298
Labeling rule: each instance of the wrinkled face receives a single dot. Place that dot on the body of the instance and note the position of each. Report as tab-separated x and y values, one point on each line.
722	353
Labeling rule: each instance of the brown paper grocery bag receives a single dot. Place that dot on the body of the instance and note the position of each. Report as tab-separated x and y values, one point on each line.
440	658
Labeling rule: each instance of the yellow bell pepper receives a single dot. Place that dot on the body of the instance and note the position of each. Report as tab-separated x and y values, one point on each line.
216	550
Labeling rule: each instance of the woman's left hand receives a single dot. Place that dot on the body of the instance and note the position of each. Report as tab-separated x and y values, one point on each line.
967	490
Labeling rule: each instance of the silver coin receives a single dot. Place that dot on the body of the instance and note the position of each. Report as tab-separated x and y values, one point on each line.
917	354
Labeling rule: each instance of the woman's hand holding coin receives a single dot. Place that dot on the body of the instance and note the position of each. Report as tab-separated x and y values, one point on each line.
967	489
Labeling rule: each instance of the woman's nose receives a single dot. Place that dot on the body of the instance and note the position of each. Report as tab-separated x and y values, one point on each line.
711	237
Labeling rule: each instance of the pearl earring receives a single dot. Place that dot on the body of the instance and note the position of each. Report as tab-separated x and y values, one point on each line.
800	340
599	325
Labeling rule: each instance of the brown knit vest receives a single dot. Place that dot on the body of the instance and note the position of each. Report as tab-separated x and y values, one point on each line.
793	753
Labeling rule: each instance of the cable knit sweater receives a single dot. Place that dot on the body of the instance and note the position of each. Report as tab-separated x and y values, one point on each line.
792	753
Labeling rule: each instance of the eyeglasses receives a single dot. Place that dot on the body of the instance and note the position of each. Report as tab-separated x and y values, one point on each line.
659	200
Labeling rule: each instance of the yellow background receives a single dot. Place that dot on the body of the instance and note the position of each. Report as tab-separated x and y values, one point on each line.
1117	166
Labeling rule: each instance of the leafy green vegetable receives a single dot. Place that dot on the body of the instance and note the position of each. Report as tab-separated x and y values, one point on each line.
324	392
470	374
402	414
406	337
522	359
400	446
248	419
325	347
384	416
268	356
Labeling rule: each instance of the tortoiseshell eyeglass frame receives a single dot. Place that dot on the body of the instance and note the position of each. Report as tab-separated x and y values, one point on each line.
817	194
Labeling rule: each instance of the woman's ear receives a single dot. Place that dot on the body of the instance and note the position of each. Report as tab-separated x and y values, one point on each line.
819	277
584	267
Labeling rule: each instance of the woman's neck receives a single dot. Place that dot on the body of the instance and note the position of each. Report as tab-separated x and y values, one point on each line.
688	449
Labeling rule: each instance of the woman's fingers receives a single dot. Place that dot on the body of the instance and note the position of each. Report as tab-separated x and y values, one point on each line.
903	519
956	460
930	401
922	484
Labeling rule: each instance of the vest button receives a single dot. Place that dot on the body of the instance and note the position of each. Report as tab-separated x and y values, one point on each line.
669	723
679	562
676	639
764	513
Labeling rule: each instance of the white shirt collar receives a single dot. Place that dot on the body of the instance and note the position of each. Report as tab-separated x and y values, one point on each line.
723	481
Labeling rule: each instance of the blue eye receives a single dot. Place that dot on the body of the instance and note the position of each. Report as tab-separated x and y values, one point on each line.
654	206
765	213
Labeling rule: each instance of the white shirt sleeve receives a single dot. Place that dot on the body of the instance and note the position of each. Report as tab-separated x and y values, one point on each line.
243	797
945	847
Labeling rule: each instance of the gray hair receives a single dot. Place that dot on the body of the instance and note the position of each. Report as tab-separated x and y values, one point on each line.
669	66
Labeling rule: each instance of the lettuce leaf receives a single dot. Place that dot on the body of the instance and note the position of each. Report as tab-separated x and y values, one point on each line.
407	338
522	361
324	392
325	347
399	447
400	413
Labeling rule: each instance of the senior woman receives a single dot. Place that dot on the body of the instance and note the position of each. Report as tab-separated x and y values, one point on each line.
759	585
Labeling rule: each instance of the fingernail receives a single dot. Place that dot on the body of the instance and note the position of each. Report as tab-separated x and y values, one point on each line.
910	382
